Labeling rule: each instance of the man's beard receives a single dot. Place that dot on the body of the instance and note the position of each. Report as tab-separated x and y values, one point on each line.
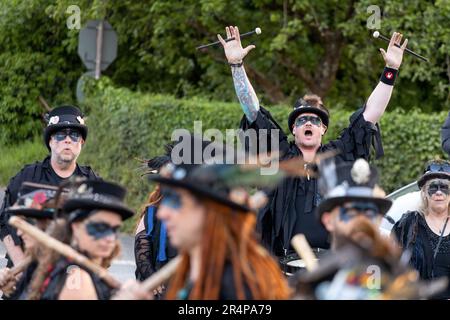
65	160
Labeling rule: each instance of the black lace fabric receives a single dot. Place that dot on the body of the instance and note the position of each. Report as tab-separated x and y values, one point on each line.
142	255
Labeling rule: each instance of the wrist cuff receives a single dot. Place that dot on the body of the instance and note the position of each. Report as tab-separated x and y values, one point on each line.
388	76
237	65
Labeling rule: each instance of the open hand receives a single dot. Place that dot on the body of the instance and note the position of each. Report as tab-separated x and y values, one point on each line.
394	55
233	49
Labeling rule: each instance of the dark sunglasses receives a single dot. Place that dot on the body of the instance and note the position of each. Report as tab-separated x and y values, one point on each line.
304	119
170	198
436	167
354	209
436	186
62	134
99	230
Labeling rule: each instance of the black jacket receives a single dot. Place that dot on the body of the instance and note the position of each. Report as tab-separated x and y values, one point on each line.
277	219
39	172
411	234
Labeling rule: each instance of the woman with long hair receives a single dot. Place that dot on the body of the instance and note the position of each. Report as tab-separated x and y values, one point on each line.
152	249
211	225
426	233
94	213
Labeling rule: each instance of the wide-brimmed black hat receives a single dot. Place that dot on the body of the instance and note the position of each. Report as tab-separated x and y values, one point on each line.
435	169
96	195
35	201
349	182
301	106
205	180
65	116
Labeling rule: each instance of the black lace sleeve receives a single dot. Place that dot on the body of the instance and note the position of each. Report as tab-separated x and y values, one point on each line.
142	255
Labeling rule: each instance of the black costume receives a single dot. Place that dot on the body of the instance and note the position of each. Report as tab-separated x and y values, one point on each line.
414	234
39	172
227	287
148	244
56	279
290	209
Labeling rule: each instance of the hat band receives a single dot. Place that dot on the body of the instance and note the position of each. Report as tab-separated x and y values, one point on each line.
96	197
341	191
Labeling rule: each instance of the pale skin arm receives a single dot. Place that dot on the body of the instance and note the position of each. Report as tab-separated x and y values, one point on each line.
244	90
78	286
15	252
379	99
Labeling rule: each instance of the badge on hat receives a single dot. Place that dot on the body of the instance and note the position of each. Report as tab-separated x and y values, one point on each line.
53	120
80	120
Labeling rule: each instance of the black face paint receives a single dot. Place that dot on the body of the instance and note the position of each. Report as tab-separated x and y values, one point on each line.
99	230
354	209
435	186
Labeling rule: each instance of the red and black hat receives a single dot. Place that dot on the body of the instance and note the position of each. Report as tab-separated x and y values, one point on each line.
35	201
301	106
61	117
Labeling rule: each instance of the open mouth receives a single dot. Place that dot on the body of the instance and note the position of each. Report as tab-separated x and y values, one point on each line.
308	133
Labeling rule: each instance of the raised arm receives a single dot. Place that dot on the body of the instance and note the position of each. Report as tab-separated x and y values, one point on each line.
379	99
244	90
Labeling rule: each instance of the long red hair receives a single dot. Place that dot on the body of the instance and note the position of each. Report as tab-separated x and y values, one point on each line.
229	238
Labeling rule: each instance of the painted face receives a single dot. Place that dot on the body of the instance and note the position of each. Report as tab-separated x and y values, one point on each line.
65	145
184	217
308	130
97	234
342	219
437	192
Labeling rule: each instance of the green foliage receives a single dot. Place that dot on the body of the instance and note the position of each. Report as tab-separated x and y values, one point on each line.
320	46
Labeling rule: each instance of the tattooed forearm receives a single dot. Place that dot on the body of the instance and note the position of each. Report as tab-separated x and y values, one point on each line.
245	93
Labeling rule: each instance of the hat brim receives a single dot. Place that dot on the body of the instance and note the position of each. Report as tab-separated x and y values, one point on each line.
196	189
31	213
430	176
55	127
89	204
296	112
329	204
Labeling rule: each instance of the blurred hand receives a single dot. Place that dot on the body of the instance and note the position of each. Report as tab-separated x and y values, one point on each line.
394	55
233	49
132	290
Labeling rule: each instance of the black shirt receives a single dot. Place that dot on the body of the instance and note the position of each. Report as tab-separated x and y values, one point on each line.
39	172
291	206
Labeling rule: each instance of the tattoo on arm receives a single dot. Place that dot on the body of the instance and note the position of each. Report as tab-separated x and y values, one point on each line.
245	93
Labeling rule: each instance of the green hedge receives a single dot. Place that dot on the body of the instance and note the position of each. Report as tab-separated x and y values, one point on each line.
126	126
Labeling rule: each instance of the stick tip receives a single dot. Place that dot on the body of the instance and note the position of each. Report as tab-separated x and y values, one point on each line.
376	34
258	30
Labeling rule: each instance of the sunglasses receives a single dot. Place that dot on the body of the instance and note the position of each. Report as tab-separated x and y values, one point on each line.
436	167
304	119
354	209
438	186
73	135
170	198
99	230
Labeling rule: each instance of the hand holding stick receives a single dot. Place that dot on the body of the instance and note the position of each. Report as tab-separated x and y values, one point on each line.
64	250
303	249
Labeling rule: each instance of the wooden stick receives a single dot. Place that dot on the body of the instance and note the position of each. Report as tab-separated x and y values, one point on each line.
162	275
44	104
21	266
64	250
303	249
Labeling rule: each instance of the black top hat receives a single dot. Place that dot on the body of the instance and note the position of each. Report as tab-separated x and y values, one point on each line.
210	181
35	201
96	195
349	182
65	116
435	169
301	106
